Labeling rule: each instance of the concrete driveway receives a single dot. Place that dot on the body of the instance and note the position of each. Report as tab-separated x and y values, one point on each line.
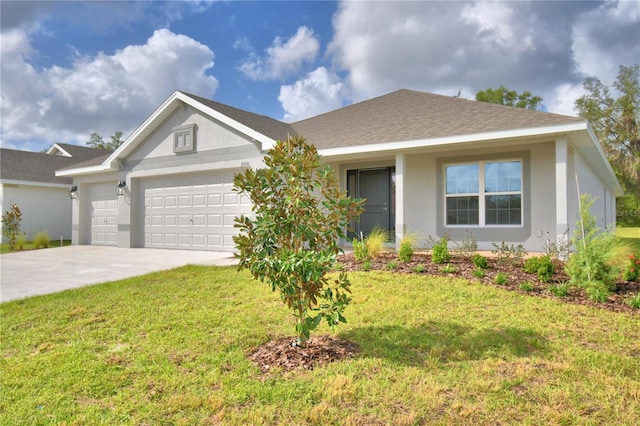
34	272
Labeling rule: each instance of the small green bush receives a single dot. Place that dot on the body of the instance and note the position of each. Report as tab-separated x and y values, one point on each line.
391	265
467	247
560	289
541	265
526	286
501	278
407	245
632	271
360	250
21	241
634	302
509	254
367	265
440	252
419	268
11	225
41	240
478	273
480	261
375	241
449	269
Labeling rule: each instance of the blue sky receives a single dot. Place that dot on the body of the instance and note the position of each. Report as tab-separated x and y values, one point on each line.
73	68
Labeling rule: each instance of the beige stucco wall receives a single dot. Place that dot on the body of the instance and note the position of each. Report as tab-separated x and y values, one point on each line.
44	208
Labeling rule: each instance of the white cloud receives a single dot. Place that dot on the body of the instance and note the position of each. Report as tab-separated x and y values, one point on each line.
562	99
283	59
320	91
102	93
607	37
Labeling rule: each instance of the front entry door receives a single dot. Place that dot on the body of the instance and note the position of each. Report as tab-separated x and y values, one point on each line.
374	186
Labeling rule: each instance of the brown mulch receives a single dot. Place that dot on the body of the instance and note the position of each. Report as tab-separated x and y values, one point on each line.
283	353
617	301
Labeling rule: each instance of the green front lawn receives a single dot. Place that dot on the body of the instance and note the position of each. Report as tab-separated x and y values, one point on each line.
631	235
170	348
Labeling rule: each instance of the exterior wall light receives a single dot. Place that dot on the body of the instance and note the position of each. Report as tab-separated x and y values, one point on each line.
122	185
73	192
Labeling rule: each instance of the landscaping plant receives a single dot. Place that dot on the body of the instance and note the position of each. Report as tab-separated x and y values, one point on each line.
360	250
632	272
467	247
440	253
407	248
41	240
479	261
509	254
375	241
292	240
595	265
541	265
11	225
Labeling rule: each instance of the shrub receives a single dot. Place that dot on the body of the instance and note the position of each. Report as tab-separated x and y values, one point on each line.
632	271
634	302
391	265
480	261
449	269
595	265
419	268
560	289
467	247
11	225
367	265
478	273
375	241
542	265
526	286
360	250
407	245
291	239
440	252
21	241
509	254
501	278
41	240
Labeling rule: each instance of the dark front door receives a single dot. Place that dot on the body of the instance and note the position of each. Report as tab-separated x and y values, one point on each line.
374	185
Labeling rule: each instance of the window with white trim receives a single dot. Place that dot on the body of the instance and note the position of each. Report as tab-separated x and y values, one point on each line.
484	193
184	139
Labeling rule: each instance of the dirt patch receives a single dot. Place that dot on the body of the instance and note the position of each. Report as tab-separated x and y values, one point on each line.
284	354
617	300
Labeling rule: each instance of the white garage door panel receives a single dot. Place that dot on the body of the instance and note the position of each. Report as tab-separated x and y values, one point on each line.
193	211
103	214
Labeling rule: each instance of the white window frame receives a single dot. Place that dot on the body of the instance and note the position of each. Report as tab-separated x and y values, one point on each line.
482	194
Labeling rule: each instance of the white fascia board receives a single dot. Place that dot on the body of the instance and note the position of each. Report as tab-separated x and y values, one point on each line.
265	142
58	148
85	170
31	183
458	139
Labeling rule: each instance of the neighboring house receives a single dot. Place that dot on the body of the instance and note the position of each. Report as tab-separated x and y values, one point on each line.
427	165
28	180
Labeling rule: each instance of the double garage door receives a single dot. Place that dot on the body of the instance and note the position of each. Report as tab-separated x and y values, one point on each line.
191	212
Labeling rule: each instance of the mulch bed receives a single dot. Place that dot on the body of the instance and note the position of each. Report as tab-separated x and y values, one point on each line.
282	353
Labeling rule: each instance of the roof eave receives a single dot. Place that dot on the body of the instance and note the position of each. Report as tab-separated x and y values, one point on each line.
101	168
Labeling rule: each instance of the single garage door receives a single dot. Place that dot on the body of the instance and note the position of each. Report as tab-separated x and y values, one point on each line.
192	211
103	213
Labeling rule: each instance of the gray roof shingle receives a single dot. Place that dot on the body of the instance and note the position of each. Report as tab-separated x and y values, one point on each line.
38	167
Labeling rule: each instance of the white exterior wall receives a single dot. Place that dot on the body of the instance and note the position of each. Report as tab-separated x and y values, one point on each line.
603	208
44	208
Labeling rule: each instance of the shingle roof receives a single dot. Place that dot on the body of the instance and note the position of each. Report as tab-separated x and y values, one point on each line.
407	115
276	130
82	153
38	167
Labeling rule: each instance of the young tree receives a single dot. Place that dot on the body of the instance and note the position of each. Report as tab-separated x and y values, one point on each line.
504	96
291	243
96	141
11	225
616	122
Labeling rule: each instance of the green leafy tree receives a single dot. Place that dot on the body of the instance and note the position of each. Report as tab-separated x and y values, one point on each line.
96	141
504	96
291	242
616	122
11	225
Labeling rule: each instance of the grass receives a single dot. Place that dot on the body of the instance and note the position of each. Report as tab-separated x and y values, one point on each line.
29	245
170	348
630	235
